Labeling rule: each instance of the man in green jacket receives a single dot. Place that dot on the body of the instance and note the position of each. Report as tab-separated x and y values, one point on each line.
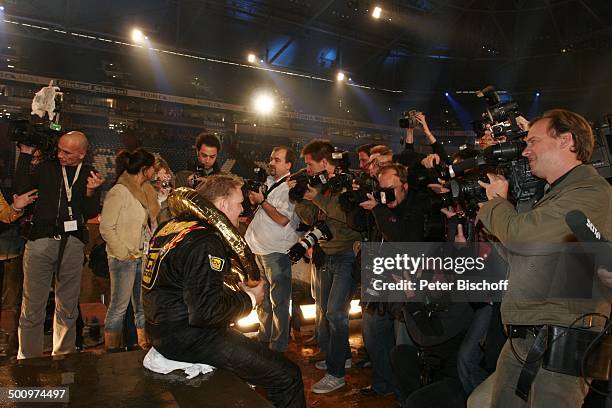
333	282
558	145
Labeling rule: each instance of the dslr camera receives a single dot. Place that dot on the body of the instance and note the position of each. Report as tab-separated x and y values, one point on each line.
408	120
350	199
296	194
319	232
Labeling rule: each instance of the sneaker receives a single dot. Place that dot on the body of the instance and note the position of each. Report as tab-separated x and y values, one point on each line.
322	365
327	384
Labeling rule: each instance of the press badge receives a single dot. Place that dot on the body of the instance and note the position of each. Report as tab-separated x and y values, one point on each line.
70	226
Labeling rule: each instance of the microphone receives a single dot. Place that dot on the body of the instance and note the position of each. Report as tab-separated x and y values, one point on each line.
586	232
583	228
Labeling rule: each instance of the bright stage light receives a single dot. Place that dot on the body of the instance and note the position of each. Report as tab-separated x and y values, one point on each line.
310	311
248	321
445	93
138	36
251	58
340	76
537	94
1	8
377	12
263	104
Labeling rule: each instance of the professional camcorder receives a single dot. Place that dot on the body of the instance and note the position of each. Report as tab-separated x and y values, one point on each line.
503	158
500	116
43	136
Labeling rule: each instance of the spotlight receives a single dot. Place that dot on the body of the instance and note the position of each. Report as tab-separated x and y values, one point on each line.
377	12
137	35
340	76
263	104
446	94
537	94
250	320
1	8
251	58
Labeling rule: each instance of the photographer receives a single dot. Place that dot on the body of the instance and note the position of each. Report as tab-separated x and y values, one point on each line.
363	154
398	221
207	150
67	198
270	235
409	157
558	145
333	283
379	156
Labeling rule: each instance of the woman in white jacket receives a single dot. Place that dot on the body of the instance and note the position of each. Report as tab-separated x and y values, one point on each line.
126	224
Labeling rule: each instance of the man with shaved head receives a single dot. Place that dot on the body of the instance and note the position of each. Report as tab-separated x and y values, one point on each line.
67	198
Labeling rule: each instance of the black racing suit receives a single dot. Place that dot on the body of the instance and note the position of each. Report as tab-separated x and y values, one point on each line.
188	311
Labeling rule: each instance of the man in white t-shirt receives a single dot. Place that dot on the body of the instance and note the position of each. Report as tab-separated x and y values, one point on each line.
270	235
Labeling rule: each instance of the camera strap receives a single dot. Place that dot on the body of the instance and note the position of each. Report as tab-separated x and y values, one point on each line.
532	363
273	186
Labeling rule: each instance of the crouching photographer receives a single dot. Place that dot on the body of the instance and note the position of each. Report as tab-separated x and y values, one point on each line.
422	370
333	284
398	219
529	372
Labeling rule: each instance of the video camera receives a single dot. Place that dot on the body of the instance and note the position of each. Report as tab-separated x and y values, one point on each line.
500	116
43	136
503	158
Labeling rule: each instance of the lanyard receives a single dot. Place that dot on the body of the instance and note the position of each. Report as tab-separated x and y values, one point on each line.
69	187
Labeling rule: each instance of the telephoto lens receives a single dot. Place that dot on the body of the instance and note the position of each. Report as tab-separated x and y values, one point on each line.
321	232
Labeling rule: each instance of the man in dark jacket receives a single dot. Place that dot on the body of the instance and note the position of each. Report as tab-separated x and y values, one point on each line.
67	198
188	309
399	369
207	151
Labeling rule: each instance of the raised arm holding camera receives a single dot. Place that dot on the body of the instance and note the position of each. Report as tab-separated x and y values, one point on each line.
67	198
558	145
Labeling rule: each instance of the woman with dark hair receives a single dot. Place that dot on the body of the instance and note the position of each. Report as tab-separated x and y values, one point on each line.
127	222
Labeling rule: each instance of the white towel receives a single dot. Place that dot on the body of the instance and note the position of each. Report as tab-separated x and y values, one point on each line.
157	363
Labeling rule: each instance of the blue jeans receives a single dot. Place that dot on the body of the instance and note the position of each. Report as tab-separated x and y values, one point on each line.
378	331
274	310
335	287
471	373
125	277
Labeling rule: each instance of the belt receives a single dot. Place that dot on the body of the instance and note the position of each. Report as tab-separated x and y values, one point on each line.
514	331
